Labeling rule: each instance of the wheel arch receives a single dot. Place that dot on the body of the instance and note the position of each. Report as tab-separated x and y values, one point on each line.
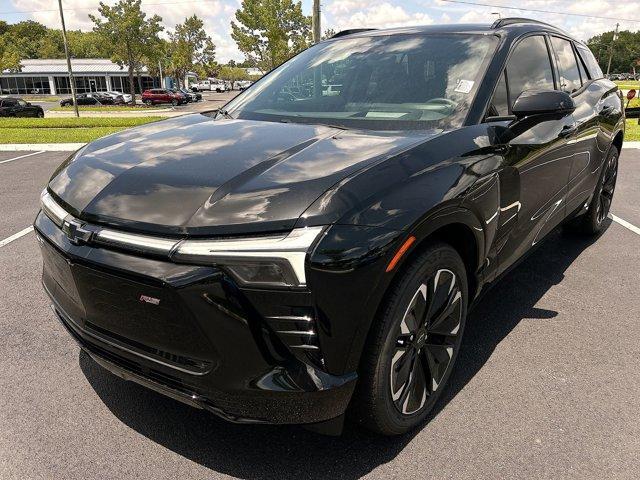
617	140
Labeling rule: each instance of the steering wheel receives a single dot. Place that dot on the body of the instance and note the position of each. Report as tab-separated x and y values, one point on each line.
443	101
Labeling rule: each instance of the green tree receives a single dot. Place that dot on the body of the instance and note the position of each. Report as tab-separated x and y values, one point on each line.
191	49
328	33
269	32
133	36
625	50
9	56
232	73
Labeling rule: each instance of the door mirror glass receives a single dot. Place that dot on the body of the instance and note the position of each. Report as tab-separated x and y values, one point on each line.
551	103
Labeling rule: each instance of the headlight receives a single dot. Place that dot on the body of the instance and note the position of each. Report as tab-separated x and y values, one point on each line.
51	209
276	261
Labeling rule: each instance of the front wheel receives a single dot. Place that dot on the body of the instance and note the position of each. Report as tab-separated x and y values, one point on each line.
413	344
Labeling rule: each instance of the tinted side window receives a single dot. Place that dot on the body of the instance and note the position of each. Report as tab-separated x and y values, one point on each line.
567	65
590	62
500	101
8	103
529	67
583	72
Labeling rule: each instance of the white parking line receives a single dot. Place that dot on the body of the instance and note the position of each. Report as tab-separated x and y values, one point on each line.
15	236
21	156
625	224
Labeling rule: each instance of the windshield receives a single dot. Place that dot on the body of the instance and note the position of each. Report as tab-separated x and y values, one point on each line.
377	82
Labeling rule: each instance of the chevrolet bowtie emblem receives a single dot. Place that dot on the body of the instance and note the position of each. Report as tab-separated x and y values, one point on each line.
75	232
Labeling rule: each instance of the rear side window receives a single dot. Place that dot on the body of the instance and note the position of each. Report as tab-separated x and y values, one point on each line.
567	65
583	72
590	62
8	103
529	67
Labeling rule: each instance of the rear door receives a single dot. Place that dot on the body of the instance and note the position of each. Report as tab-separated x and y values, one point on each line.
539	160
9	107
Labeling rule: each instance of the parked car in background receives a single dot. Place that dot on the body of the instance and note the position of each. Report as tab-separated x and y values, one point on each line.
243	84
292	259
192	96
162	95
209	85
126	96
178	93
93	99
17	107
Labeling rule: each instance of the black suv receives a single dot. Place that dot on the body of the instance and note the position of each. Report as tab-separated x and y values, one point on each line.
17	107
303	250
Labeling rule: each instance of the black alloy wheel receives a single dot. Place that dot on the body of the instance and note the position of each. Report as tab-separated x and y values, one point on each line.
413	345
593	220
425	341
607	187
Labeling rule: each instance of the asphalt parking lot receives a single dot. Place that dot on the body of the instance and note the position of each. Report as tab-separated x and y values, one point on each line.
547	384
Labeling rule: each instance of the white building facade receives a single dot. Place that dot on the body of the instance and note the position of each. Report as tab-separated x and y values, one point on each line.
50	77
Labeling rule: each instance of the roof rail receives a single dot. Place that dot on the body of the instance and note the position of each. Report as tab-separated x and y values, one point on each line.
502	22
349	31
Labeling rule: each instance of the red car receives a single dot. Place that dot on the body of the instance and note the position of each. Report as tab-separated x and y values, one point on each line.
161	95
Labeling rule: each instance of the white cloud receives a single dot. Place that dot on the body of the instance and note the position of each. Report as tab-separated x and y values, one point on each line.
216	14
375	15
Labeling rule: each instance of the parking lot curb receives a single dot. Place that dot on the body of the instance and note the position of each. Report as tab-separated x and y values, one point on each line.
47	147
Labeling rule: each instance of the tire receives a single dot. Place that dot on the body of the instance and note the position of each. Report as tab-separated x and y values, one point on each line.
40	114
592	221
174	102
422	353
148	103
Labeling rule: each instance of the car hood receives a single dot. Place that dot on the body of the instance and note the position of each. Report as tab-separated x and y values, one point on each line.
195	176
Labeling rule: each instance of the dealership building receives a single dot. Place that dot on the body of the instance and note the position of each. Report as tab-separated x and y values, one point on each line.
50	77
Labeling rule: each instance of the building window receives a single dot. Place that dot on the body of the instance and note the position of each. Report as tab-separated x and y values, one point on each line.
24	85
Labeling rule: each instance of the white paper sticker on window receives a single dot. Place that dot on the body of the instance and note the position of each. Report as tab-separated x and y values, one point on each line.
464	86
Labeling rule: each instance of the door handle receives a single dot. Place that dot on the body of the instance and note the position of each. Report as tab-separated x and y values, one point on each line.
568	130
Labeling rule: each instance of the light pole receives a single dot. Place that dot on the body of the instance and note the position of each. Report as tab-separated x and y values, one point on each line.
72	83
316	21
615	37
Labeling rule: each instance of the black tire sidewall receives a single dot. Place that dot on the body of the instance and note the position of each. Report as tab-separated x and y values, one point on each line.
591	224
388	420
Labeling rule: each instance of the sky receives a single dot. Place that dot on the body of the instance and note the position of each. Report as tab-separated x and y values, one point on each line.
341	14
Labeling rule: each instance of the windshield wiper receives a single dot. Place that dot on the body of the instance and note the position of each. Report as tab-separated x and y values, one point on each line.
226	114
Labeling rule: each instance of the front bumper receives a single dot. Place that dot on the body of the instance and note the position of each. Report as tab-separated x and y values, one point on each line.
201	339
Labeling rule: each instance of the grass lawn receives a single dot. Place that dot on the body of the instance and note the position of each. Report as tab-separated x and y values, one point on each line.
628	84
40	98
108	108
632	132
64	130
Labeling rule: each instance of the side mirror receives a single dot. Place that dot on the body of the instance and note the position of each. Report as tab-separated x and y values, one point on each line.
548	103
536	106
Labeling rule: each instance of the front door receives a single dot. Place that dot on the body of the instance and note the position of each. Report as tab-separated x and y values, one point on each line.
539	159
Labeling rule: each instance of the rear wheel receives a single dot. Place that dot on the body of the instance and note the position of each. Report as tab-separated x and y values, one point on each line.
148	102
174	102
413	345
593	220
